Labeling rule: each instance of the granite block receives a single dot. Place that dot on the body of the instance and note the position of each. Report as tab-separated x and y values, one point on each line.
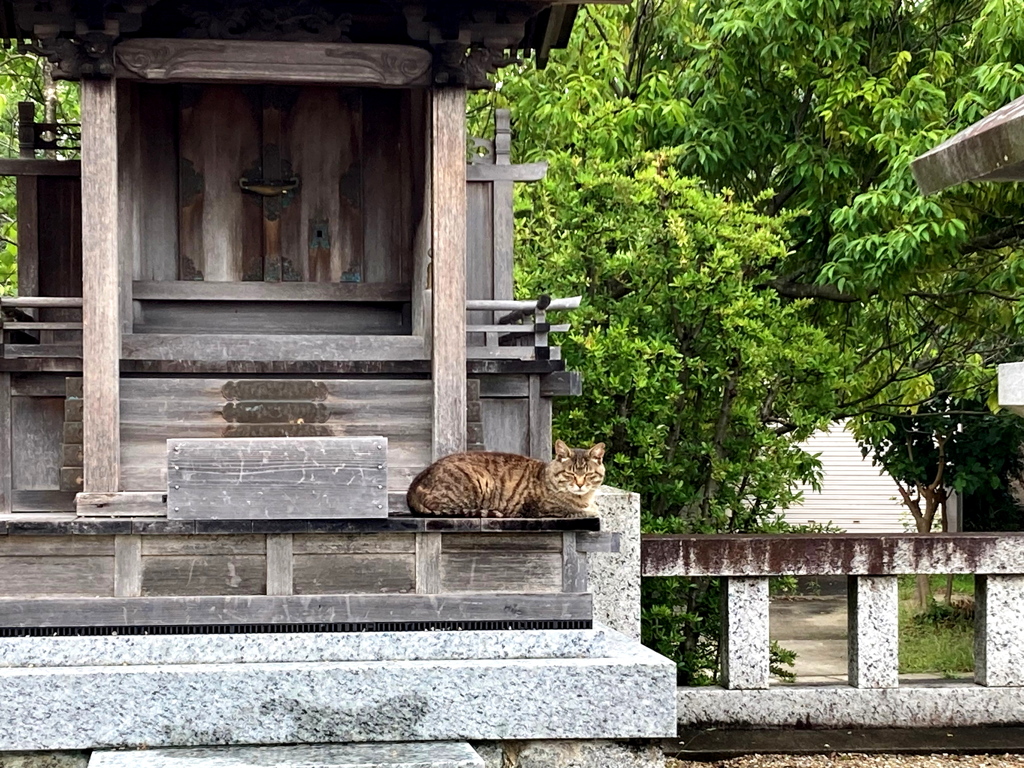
628	693
745	662
571	754
438	754
998	629
873	635
614	577
44	759
946	704
260	648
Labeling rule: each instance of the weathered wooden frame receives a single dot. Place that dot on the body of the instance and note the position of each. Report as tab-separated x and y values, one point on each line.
251	61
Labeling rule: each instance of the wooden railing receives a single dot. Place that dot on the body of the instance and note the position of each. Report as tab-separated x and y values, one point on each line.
24	335
874	695
521	334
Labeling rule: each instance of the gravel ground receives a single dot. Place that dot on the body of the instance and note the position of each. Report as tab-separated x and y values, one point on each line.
858	760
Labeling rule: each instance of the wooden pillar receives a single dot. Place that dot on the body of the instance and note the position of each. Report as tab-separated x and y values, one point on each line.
449	270
101	282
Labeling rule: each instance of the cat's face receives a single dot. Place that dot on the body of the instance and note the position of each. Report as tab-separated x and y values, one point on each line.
577	470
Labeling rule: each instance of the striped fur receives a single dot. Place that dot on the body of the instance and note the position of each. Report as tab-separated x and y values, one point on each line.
491	484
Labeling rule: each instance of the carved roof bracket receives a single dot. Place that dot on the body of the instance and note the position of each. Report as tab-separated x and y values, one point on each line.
456	63
88	53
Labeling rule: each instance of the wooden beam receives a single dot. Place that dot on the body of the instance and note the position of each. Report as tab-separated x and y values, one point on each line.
6	453
28	236
251	61
428	563
128	565
101	282
449	270
122	504
200	290
506	173
280	567
27	167
45	302
291	609
256	347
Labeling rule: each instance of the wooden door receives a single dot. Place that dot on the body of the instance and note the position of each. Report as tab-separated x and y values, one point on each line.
307	184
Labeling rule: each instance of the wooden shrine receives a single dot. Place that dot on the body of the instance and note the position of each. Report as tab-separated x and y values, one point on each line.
271	291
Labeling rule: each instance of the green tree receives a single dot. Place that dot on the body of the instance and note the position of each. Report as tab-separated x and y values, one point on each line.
701	383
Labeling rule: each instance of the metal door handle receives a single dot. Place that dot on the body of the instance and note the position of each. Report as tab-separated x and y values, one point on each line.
267	188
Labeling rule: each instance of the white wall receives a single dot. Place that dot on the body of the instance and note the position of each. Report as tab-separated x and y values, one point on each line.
854	496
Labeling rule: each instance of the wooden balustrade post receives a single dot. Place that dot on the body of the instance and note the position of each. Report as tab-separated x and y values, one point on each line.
101	287
449	270
998	629
873	636
745	643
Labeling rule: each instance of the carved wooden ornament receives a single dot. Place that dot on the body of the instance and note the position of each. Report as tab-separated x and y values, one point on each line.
246	61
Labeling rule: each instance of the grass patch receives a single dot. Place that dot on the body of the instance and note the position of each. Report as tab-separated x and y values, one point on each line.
939	640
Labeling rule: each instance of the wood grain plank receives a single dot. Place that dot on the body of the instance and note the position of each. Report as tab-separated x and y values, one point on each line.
43	501
449	270
6	452
122	504
303	477
255	347
184	290
312	239
220	141
279	564
37	426
574	565
234	544
158	184
129	213
291	609
501	572
101	282
10	166
56	546
482	543
56	576
354	543
204	575
127	566
354	574
387	240
428	563
248	61
27	195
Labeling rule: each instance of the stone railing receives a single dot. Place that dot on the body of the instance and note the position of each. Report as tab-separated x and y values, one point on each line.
874	695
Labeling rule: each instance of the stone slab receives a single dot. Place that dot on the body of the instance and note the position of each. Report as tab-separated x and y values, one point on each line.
629	693
615	576
873	620
571	754
745	631
940	705
1011	387
438	754
301	647
998	629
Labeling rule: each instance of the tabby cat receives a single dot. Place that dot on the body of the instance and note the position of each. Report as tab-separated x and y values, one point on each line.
488	484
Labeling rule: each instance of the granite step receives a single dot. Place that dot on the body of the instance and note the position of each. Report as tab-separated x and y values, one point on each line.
430	754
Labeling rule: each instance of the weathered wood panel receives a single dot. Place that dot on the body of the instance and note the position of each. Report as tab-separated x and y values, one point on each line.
43	501
220	141
501	572
101	281
56	546
293	609
449	270
204	575
479	255
353	543
121	504
257	347
250	291
20	166
248	61
574	565
127	566
6	454
501	542
428	563
37	427
153	410
56	576
27	196
320	240
277	478
507	425
129	200
387	187
158	183
280	574
353	574
237	544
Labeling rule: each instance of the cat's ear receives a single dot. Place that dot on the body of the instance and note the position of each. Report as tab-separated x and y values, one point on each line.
596	452
562	451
